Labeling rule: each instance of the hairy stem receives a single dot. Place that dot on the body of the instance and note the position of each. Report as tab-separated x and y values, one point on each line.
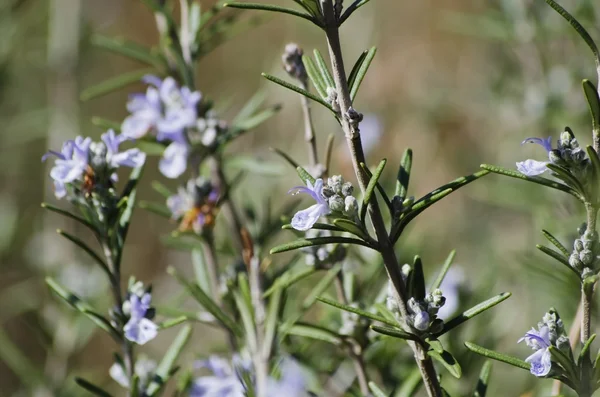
350	127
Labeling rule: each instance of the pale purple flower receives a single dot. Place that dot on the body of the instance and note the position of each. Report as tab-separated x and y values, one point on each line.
70	164
140	329
188	204
223	383
129	158
305	219
539	341
174	160
533	167
292	382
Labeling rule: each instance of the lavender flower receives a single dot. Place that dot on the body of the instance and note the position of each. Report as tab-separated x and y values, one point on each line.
194	206
533	167
223	383
144	368
305	219
540	342
167	111
98	161
140	329
550	332
292	382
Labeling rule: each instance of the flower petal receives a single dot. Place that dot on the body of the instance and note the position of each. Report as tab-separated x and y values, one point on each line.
174	161
545	143
532	167
305	219
140	331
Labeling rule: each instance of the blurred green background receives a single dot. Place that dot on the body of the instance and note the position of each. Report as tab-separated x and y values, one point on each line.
461	82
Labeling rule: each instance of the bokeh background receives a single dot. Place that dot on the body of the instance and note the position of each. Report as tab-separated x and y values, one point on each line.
462	82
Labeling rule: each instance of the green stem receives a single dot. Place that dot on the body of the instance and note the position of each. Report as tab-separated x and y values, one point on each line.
352	133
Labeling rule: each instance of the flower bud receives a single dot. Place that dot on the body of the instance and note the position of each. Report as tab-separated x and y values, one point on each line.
336	203
351	206
575	262
347	189
292	62
421	321
335	182
586	256
578	245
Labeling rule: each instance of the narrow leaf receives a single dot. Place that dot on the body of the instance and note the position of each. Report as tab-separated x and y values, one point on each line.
535	179
130	193
577	26
404	174
351	227
585	349
516	362
106	124
298	90
360	312
317	226
353	7
356	67
286	157
271	321
250	123
472	312
172	322
206	302
285	281
88	250
70	215
418	279
324	69
410	384
164	370
448	361
315	77
362	72
315	332
128	49
373	182
591	94
377	392
113	84
484	379
321	286
305	176
90	387
311	242
556	255
274	8
564	361
556	243
244	309
156	208
445	267
395	332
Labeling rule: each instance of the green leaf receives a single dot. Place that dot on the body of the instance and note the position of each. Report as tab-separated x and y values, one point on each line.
445	267
556	255
298	90
90	387
577	26
324	69
472	312
436	345
271	321
156	208
404	174
484	379
250	123
75	302
377	392
274	8
585	349
315	332
172	322
206	302
321	286
287	280
386	313
305	176
316	226
596	167
312	242
245	310
395	333
535	179
70	215
380	188
164	370
556	243
448	361
356	67
482	351
565	175
417	280
88	250
353	7
373	182
409	385
113	84
106	124
564	361
360	312
315	77
130	193
591	94
127	48
362	72
351	227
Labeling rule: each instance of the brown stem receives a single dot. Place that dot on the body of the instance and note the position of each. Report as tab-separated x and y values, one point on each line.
350	127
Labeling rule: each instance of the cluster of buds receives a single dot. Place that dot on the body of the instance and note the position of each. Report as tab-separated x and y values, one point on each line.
292	63
584	251
136	310
208	130
194	206
339	197
423	314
